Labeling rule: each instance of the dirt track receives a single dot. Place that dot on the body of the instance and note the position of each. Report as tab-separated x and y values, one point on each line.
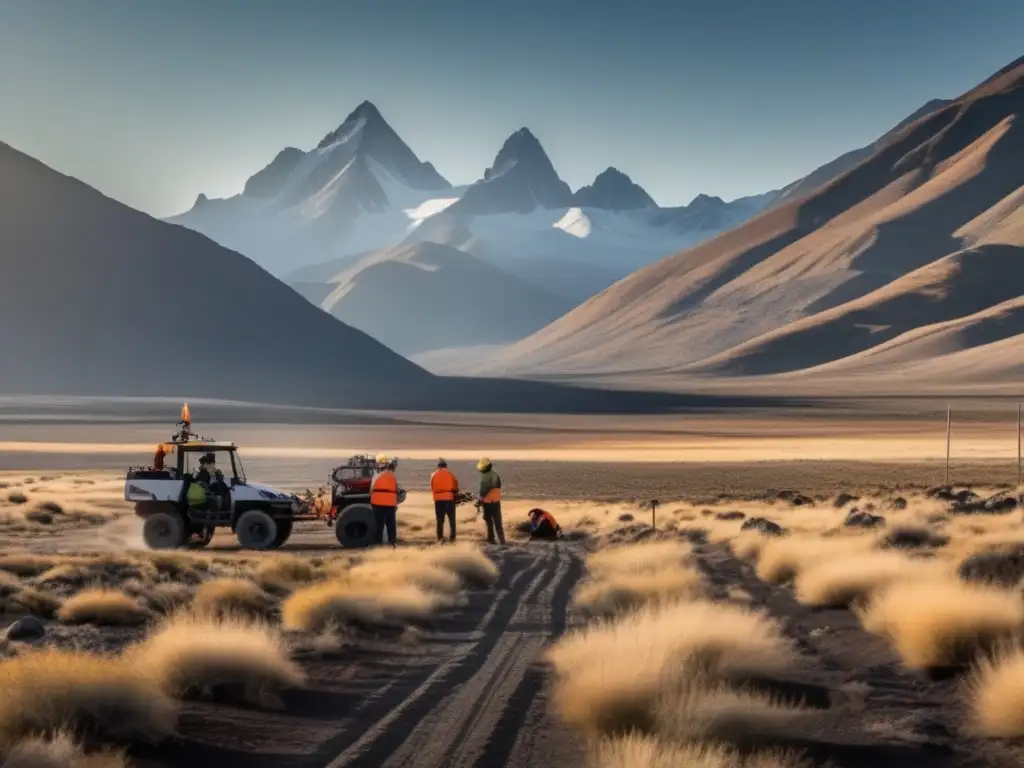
471	691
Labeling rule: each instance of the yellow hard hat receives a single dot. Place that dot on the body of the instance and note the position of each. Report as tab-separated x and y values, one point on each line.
483	464
383	458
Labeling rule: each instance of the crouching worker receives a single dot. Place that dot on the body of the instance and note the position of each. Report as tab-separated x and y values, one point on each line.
490	500
544	526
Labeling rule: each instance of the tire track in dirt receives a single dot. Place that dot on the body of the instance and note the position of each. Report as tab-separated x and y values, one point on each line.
881	714
459	714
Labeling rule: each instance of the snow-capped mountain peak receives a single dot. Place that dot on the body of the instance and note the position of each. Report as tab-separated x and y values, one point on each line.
521	179
364	117
362	189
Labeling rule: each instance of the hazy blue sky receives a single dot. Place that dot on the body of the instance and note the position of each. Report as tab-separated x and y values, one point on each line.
154	101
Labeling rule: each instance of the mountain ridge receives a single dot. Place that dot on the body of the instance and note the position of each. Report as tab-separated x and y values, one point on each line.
927	229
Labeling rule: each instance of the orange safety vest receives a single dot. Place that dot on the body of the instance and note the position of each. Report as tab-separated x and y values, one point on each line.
493	496
443	485
545	515
384	490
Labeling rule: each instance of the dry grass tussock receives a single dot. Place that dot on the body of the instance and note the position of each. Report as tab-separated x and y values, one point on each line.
996	695
639	556
217	657
748	545
852	578
49	691
24	564
466	561
16	597
226	597
384	574
319	607
55	500
104	607
163	598
622	592
637	751
60	751
611	676
783	558
283	572
942	622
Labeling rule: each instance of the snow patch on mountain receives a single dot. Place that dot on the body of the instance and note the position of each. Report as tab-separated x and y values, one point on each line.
575	223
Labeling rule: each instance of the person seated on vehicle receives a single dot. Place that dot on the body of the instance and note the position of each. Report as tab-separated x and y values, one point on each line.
213	479
194	492
543	525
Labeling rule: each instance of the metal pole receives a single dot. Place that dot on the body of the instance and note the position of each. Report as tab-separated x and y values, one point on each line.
654	513
948	419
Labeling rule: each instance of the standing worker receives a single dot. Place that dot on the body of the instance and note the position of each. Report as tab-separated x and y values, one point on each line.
384	498
443	487
490	500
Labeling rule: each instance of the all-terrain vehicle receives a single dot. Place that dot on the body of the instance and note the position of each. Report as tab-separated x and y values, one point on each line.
349	511
261	516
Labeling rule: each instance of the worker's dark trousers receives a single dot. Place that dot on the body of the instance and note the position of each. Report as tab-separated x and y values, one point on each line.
386	517
443	509
544	530
492	516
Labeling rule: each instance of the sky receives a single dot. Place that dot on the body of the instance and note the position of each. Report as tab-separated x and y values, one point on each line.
155	101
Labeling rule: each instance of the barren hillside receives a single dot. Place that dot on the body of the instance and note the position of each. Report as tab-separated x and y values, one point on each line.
428	296
927	230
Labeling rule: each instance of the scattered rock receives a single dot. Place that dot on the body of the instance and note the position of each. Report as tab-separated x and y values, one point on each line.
707	512
1004	567
41	516
998	504
626	518
795	498
52	507
859	519
942	492
914	537
26	628
17	498
764	526
898	503
843	499
732	514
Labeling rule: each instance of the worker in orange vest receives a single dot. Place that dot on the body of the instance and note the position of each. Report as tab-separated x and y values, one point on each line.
490	500
443	487
543	525
384	498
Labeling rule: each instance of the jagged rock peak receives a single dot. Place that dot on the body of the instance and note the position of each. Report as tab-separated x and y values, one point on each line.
364	117
707	200
614	191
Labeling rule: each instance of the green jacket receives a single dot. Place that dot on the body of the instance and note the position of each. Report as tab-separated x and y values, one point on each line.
488	480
